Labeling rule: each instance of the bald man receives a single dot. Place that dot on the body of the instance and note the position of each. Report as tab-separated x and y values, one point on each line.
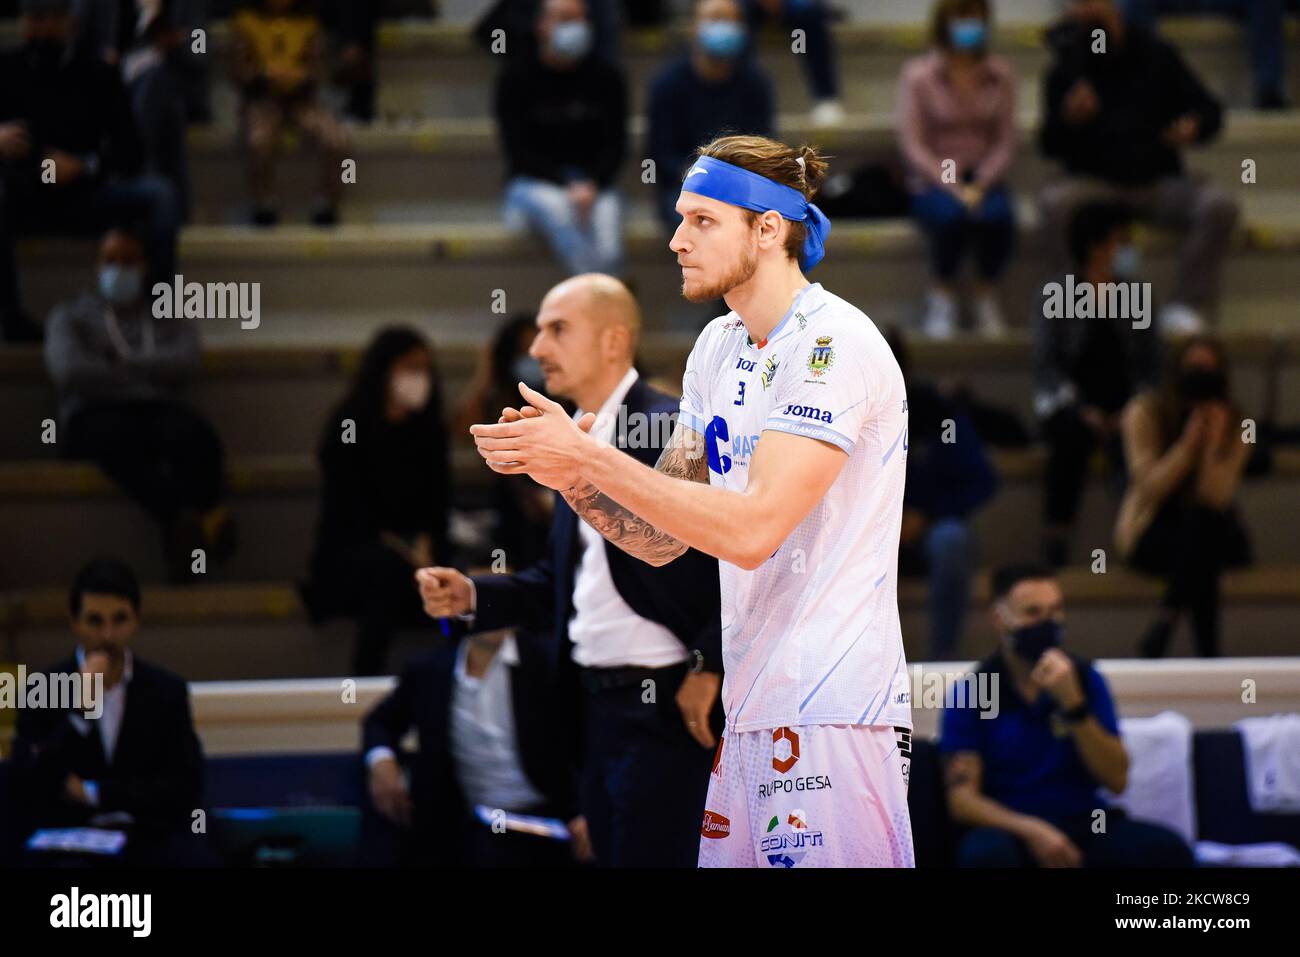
638	647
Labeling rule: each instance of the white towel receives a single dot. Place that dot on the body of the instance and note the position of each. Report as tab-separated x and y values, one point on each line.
1271	752
1159	787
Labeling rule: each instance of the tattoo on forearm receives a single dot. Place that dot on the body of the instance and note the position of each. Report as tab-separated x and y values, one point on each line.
683	457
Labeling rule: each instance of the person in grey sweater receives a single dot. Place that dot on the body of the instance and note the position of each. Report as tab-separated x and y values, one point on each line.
120	373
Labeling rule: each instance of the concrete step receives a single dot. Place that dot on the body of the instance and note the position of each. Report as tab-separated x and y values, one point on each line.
450	170
56	513
240	382
333	284
231	632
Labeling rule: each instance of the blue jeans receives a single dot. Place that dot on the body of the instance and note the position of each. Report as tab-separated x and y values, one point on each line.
1264	31
950	555
989	232
1125	843
594	245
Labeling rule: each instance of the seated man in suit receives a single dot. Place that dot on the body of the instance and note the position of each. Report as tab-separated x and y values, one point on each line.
486	724
639	647
1025	758
138	766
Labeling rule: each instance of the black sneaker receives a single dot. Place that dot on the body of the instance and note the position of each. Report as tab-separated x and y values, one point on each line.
265	216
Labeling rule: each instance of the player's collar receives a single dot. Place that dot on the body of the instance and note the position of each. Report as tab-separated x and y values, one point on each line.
794	307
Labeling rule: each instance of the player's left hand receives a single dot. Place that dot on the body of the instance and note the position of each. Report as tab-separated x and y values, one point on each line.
549	447
1055	674
695	699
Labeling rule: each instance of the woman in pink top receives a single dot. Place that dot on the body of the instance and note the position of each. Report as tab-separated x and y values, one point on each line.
957	132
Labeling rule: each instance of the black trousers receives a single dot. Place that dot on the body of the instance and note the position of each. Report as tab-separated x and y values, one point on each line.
1070	443
376	586
163	454
644	778
1190	546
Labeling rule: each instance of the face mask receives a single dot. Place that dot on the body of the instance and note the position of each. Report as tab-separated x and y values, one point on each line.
1031	641
571	39
1203	384
120	285
967	33
1126	261
526	369
410	390
723	39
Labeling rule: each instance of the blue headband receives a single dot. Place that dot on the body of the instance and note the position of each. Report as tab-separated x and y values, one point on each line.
729	183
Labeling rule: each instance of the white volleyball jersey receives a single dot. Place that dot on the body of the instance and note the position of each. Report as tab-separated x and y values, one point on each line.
811	636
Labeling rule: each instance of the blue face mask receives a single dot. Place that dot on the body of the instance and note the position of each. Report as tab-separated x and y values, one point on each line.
723	39
1126	261
1031	641
120	285
967	33
571	39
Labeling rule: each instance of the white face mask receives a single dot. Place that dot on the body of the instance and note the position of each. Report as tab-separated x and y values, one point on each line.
410	390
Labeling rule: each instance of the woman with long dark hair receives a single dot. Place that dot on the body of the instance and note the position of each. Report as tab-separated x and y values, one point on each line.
385	496
1186	453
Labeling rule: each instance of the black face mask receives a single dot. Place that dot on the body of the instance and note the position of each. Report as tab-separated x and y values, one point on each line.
1200	385
1031	641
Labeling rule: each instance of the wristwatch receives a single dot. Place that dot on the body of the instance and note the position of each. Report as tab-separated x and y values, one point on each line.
1076	714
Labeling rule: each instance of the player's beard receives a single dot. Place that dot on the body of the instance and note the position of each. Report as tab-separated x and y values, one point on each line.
741	272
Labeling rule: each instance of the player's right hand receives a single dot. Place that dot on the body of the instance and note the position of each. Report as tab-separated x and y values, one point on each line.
445	592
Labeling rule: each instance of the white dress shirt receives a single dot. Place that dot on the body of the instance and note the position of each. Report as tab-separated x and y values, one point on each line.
605	631
109	724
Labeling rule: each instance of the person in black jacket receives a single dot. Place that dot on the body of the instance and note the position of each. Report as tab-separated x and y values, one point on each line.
138	764
638	647
487	725
1120	106
562	118
70	154
385	496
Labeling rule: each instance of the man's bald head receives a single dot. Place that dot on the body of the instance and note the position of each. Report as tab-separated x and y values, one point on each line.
588	327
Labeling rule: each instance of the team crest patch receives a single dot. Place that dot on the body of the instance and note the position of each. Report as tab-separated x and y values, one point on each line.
821	358
769	371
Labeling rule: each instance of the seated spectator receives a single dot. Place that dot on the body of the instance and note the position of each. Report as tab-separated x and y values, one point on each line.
120	374
354	25
949	476
1087	368
278	69
957	132
69	154
156	71
709	89
1118	122
385	496
523	507
1265	32
1186	455
1025	757
813	17
562	117
486	718
138	766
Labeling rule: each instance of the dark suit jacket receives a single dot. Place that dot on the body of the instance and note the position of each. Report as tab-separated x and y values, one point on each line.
682	595
422	700
157	771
